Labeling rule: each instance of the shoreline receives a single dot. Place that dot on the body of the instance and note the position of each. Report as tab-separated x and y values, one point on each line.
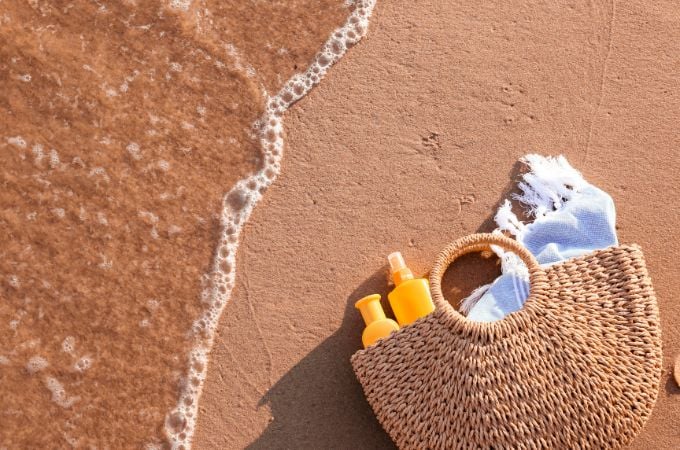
121	128
237	206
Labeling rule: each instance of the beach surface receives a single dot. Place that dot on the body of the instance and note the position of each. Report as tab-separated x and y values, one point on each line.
122	126
412	141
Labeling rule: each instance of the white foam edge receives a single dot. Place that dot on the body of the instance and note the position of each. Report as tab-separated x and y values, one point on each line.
237	205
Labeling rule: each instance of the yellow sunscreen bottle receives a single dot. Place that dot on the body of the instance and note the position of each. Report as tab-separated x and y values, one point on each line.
411	298
377	324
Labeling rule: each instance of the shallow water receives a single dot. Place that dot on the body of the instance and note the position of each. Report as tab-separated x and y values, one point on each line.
122	125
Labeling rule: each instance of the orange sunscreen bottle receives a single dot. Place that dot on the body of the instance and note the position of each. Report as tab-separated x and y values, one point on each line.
377	325
411	298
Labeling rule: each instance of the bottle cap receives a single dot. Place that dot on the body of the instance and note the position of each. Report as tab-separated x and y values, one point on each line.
400	272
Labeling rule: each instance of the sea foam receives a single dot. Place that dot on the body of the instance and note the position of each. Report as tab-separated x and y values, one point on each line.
237	206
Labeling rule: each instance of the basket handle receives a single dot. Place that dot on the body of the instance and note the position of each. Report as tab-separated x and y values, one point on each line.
477	243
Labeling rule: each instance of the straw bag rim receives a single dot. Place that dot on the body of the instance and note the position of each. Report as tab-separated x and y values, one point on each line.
516	321
512	323
480	242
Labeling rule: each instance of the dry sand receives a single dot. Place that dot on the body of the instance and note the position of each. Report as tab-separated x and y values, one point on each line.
412	141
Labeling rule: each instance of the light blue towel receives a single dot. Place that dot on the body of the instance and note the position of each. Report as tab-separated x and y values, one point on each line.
571	218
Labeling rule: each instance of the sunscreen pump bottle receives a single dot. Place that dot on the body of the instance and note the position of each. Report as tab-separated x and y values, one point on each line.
411	298
377	324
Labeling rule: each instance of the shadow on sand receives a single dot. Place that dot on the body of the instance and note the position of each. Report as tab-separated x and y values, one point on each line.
319	404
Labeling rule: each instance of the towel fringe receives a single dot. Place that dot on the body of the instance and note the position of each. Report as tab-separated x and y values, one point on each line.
550	183
472	299
507	220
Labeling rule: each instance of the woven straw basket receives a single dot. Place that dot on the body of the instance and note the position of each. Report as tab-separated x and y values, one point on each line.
577	367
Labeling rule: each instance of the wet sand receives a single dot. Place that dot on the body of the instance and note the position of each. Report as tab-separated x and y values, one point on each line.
412	141
122	125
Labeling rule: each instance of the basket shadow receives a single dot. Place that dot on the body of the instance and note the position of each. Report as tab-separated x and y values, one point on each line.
319	403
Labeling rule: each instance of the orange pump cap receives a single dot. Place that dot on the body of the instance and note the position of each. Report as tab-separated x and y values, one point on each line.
378	326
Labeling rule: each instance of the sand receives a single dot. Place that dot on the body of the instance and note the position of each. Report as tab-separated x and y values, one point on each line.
122	125
411	141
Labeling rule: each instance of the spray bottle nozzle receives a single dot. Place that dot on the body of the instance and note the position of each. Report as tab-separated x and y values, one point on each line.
398	269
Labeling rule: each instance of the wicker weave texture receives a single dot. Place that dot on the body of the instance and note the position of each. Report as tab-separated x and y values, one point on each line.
578	367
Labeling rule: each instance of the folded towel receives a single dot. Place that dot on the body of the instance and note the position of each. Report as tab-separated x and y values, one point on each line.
571	218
